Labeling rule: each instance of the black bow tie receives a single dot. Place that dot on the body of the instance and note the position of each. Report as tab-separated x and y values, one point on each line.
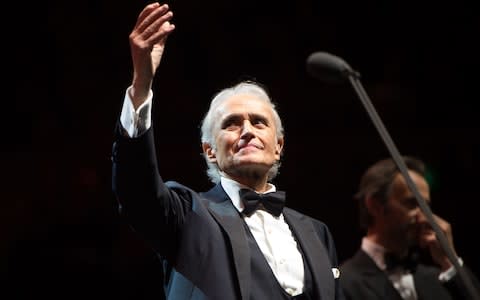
408	262
272	202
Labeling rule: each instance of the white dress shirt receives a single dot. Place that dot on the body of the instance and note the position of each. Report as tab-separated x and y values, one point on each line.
272	234
274	238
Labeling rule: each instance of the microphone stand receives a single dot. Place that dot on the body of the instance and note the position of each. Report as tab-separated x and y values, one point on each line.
357	85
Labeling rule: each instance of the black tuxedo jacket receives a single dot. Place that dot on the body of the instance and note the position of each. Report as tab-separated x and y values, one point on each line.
201	237
361	279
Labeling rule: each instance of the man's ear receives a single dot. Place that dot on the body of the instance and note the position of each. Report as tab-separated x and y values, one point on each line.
210	152
373	206
279	147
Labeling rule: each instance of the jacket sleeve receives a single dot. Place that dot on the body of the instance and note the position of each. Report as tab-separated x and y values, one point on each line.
150	207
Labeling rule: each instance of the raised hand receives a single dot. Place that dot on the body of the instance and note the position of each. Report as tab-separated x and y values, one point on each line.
429	240
147	44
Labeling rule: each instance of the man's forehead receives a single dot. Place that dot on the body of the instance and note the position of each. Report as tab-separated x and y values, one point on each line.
244	103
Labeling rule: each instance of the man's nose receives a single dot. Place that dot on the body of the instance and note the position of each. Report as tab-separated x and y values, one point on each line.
420	216
247	128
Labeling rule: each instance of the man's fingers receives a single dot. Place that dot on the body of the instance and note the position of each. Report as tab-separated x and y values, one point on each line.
159	29
152	20
152	27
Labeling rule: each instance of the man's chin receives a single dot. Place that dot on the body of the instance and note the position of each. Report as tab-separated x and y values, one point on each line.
251	167
412	236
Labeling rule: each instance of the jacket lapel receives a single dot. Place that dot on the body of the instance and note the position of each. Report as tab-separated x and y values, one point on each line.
315	253
228	218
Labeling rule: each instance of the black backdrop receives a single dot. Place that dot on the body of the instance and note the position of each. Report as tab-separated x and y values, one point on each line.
71	65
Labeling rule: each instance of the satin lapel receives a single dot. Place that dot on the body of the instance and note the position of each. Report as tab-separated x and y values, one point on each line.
375	279
315	254
425	288
380	285
228	218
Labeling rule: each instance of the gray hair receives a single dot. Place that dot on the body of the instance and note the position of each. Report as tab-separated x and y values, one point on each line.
208	122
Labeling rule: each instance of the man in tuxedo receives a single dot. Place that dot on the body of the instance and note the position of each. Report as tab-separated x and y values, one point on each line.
400	255
237	240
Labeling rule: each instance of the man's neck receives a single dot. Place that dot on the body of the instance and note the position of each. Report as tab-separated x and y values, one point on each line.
388	244
259	185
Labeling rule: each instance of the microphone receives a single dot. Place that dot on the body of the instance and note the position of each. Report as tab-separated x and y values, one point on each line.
333	69
329	68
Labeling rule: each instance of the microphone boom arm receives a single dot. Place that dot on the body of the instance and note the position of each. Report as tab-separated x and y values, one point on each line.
357	85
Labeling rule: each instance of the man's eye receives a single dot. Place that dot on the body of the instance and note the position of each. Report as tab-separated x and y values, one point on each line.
259	121
411	202
230	126
230	123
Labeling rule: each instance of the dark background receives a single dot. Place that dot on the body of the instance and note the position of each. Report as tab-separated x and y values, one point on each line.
62	236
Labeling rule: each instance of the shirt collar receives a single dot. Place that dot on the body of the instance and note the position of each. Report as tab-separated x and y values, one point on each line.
375	251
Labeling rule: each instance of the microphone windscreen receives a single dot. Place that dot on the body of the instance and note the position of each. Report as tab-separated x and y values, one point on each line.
328	67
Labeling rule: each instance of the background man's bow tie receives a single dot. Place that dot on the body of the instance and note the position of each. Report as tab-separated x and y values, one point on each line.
408	262
272	202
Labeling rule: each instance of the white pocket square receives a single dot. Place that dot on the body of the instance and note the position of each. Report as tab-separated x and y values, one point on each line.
336	272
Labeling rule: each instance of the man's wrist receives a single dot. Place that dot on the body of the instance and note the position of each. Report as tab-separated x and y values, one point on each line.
450	273
136	121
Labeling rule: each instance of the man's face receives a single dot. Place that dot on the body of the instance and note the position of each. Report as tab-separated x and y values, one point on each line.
245	137
403	218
